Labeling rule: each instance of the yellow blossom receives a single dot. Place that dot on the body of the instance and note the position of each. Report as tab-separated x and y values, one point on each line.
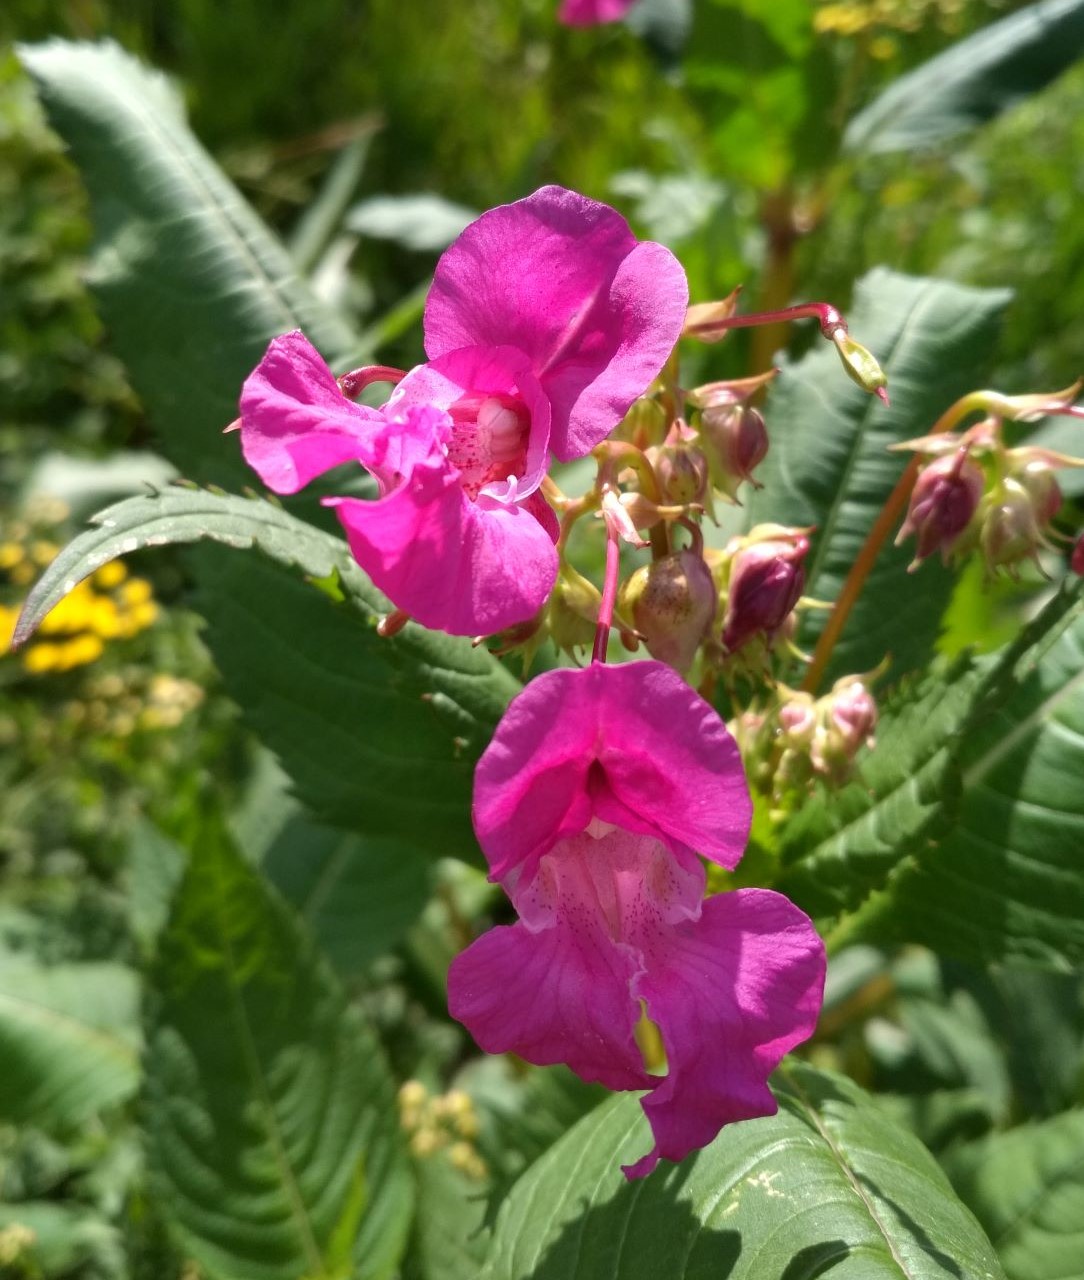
110	575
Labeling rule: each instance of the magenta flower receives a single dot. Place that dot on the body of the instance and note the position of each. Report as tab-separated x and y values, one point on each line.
546	319
588	13
591	803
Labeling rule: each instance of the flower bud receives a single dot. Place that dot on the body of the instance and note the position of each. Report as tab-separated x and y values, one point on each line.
853	713
572	613
736	441
671	603
1043	489
681	467
1010	531
798	720
943	502
766	581
860	365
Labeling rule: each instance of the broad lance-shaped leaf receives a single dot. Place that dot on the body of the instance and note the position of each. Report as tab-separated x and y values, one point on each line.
69	1040
377	735
1007	881
829	1186
1026	1187
191	284
829	464
993	746
973	81
272	1132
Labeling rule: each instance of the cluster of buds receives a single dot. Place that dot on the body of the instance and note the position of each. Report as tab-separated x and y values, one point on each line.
977	492
800	738
442	1122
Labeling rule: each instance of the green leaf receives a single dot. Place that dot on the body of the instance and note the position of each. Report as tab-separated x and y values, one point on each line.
829	467
69	1037
449	1233
830	1185
356	720
973	81
272	1132
1006	882
190	283
60	1239
882	833
1026	1187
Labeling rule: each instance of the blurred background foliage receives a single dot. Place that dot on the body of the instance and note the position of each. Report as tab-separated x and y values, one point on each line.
367	133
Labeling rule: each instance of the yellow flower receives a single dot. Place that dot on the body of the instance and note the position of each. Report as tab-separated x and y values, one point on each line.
136	591
11	554
110	575
41	658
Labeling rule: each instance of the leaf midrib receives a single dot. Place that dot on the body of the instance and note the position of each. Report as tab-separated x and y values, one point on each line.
306	1234
113	1045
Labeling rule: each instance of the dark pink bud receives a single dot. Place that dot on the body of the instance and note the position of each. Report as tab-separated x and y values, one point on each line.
736	442
766	581
943	501
1076	559
672	602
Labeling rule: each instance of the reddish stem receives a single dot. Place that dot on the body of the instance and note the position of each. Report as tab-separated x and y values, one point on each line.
609	594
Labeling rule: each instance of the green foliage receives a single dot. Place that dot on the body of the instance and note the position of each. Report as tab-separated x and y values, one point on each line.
68	1040
271	1126
189	282
1026	1187
829	467
973	81
828	1183
429	700
840	850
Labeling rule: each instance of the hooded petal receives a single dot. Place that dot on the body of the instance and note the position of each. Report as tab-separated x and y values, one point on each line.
731	993
563	279
630	744
295	421
469	568
586	13
484	371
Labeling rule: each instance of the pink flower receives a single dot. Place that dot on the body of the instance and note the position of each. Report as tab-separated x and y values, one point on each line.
591	803
546	319
587	13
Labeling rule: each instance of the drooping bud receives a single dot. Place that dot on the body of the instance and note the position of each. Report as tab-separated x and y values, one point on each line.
681	467
1076	558
572	612
1042	488
860	364
736	442
944	500
671	603
1010	531
767	578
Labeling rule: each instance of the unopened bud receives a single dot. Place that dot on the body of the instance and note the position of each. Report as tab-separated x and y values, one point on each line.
798	720
860	365
671	603
572	613
853	713
1010	531
1043	489
766	581
681	467
736	442
944	500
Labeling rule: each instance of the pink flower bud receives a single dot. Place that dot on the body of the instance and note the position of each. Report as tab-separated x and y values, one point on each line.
1010	531
681	467
1076	559
766	580
1043	490
853	712
943	501
672	602
798	720
736	441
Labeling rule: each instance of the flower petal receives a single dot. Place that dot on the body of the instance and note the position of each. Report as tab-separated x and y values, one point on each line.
295	421
558	986
484	371
731	993
631	744
469	568
586	13
563	279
